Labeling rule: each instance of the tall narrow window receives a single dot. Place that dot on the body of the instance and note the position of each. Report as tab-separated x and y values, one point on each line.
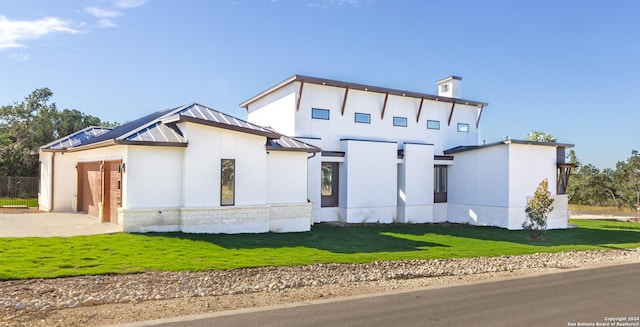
329	183
319	113
227	182
439	184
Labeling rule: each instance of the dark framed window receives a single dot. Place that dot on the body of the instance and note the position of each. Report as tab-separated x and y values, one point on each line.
362	118
227	182
329	183
433	124
439	184
400	121
464	128
319	113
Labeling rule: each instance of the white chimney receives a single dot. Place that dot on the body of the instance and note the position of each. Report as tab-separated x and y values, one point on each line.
449	86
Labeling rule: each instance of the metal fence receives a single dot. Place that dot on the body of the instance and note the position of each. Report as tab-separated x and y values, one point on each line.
19	191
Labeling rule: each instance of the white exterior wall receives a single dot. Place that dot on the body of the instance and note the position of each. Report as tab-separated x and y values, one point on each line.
286	177
64	184
478	189
44	195
201	174
491	186
154	177
276	111
371	182
341	126
529	165
415	184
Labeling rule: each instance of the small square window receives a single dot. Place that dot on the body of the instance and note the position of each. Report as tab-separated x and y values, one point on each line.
400	121
444	88
433	124
320	114
362	118
464	128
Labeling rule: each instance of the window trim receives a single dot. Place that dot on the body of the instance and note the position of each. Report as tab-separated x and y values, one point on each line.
399	119
318	110
463	130
233	181
361	114
332	200
438	195
433	121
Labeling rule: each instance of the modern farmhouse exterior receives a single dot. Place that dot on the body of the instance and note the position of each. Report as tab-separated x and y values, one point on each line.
190	169
398	156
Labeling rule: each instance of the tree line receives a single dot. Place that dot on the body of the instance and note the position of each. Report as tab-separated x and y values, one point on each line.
25	126
588	185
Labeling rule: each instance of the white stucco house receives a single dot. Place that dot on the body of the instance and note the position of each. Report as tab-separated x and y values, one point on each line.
390	155
190	169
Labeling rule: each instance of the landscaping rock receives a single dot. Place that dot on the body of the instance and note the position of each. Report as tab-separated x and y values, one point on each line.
49	302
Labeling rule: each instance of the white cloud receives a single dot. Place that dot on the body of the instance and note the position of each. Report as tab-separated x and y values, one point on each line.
14	32
103	13
19	56
129	3
106	23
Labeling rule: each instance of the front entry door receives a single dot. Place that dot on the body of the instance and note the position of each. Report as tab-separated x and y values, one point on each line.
329	183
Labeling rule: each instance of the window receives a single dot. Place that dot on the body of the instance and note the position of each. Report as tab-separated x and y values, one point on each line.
362	118
329	183
319	113
444	88
400	121
464	128
227	182
433	124
439	184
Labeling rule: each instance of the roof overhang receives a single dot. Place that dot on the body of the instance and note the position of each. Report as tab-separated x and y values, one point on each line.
194	120
361	87
506	142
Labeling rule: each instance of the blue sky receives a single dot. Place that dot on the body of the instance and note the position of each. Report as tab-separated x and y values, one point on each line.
569	68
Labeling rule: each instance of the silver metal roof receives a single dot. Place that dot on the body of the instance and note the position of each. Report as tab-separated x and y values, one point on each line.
160	129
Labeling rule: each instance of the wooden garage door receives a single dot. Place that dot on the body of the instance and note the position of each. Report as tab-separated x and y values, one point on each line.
89	187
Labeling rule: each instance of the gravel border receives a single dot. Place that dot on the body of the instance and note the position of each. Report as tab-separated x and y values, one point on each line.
104	299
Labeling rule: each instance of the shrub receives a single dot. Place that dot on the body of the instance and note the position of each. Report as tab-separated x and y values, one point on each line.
538	209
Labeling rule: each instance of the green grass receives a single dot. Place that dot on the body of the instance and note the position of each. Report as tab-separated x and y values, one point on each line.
31	203
130	253
587	208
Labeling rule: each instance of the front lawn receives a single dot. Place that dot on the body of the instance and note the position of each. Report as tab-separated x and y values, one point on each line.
31	202
130	253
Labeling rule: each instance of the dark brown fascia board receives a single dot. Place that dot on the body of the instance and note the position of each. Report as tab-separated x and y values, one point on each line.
102	144
361	87
506	142
307	150
153	143
229	127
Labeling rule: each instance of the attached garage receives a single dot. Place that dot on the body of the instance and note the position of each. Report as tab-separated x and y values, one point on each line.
100	183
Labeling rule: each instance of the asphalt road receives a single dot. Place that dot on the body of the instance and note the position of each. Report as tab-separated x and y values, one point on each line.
582	296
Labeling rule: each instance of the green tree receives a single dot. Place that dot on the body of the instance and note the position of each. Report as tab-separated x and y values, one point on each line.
539	136
627	177
27	125
538	209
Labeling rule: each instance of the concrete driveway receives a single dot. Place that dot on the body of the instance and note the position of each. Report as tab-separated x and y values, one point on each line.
52	224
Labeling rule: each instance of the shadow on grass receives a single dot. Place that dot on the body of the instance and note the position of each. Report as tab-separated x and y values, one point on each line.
604	234
388	238
347	240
